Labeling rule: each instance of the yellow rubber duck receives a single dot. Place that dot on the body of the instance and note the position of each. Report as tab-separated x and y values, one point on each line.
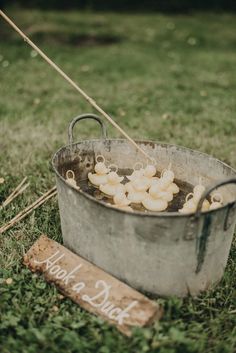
121	201
100	176
113	184
137	191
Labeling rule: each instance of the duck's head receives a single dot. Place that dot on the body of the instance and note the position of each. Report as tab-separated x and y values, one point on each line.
101	169
150	171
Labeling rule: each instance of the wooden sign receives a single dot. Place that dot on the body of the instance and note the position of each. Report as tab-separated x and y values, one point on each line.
90	287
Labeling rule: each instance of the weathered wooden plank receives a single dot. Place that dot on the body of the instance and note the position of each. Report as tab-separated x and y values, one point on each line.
90	287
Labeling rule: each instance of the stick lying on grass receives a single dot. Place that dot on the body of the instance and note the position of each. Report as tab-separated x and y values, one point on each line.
16	192
50	193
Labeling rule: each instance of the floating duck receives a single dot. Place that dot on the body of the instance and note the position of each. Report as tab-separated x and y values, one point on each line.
149	171
101	171
190	206
192	199
165	184
167	181
157	193
113	184
137	172
149	174
137	191
173	188
148	182
121	201
129	187
198	191
70	179
216	201
145	174
164	181
152	204
168	175
156	199
205	205
154	180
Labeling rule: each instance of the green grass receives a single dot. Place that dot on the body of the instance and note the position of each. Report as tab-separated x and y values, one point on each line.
167	78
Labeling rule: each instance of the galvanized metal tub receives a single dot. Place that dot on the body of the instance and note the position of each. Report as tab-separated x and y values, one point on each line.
164	253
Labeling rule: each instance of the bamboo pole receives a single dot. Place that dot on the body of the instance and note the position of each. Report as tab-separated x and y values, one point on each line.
17	188
72	83
16	192
50	193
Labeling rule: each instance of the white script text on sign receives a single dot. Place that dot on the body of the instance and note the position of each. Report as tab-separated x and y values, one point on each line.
101	298
91	287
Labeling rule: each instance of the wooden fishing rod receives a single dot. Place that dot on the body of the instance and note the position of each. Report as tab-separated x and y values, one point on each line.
73	84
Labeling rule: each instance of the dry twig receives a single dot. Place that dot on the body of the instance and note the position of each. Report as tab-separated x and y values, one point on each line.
16	192
50	193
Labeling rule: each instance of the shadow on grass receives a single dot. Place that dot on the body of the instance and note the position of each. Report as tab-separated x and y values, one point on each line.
54	35
77	40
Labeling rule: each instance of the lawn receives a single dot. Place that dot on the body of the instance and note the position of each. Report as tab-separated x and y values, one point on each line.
168	78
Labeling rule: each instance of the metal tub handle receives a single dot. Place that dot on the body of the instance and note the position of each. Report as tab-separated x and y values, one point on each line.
83	117
202	240
231	205
192	227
